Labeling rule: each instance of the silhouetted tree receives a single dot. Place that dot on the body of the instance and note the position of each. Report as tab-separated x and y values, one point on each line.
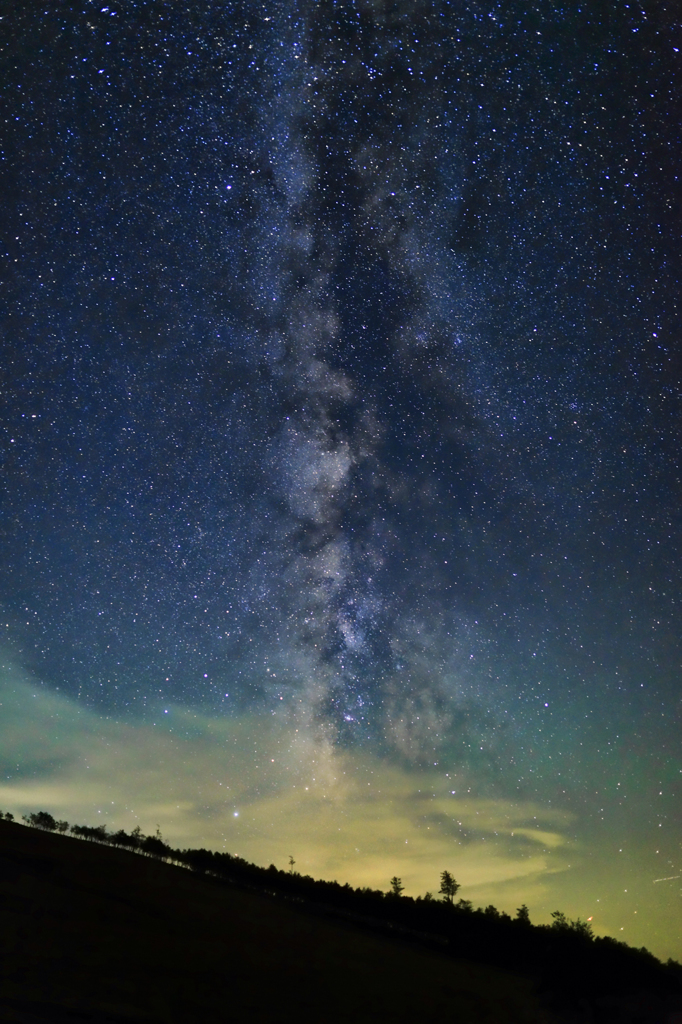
583	928
523	914
96	832
397	886
291	863
448	886
9	816
41	819
62	826
155	846
561	923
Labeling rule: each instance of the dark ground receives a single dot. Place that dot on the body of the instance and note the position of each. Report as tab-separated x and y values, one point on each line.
94	933
90	933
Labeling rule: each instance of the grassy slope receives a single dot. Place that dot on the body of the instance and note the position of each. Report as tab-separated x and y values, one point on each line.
93	933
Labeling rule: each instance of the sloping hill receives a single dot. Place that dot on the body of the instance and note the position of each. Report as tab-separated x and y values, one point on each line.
94	933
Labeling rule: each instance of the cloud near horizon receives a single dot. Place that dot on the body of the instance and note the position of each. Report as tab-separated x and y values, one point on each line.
268	790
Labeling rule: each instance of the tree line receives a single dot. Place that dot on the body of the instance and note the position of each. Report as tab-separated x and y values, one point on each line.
563	954
210	863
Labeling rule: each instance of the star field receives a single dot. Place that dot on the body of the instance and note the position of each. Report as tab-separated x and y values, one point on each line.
340	396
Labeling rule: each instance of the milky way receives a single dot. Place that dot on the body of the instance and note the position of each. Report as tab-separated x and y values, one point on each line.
341	384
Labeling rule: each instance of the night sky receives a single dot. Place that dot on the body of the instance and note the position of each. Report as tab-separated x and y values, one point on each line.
340	432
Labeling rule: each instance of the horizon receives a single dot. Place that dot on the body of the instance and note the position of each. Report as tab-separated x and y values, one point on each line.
137	842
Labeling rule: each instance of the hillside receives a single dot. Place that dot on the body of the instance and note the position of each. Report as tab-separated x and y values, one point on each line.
93	933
